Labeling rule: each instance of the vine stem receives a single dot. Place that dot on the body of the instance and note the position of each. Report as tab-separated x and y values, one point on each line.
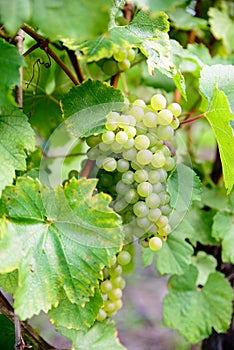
190	120
44	45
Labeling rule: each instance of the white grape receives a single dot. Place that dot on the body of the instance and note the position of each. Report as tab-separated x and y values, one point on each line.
155	243
144	157
109	164
175	109
122	165
158	159
141	142
164	117
141	175
154	214
121	137
144	189
140	209
158	102
108	137
150	119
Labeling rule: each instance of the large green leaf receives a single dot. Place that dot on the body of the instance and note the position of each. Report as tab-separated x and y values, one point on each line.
205	264
194	311
219	116
10	62
222	26
101	336
58	240
87	105
16	137
223	230
175	255
7	334
19	11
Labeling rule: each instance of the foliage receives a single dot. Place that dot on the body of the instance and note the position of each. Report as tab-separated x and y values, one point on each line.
60	231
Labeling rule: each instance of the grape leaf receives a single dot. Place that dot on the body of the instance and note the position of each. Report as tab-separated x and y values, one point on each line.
9	281
72	20
87	105
175	255
223	229
7	333
222	26
219	116
58	240
186	21
184	186
205	264
101	336
16	137
214	198
10	62
20	12
217	76
194	312
73	316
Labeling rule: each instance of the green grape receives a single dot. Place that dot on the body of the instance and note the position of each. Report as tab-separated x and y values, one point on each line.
131	196
113	260
93	153
131	55
130	154
105	180
110	67
109	307
141	175
124	65
175	123
121	137
145	243
120	55
152	201
116	271
128	177
169	164
155	243
154	176
109	164
122	165
162	221
123	121
104	147
108	137
102	315
166	209
164	117
158	102
73	173
141	142
130	131
158	159
139	102
165	132
120	205
118	282
129	144
144	189
121	187
124	258
144	157
115	294
106	286
137	112
93	140
154	214
116	147
143	223
158	187
118	304
150	120
111	124
140	209
175	108
164	230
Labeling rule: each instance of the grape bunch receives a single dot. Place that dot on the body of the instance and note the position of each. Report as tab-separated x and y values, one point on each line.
119	62
135	149
112	285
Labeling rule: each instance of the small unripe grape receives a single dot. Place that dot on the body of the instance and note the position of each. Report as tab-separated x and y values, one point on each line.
93	140
118	304
120	55
123	121
101	315
144	189
121	137
130	131
115	294
116	271
120	204
140	209
124	65
109	164
170	164
109	306
158	102
106	286
131	55
116	147
110	67
154	176
155	243
175	108
124	257
175	123
141	142
73	173
122	188
139	102
118	282
104	147
144	157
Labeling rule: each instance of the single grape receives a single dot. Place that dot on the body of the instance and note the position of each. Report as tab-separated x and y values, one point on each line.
128	177
130	131
106	286
169	164
122	165
158	159
116	147
109	164
162	221
131	55
152	201
123	121
105	180
118	304
110	67
121	187
150	119
104	147
154	176
101	315
144	189
120	55
128	144
175	123
130	154
141	175
154	214
143	223
131	196
115	294
140	209
164	117
124	258
155	243
144	157
124	65
120	204
118	282
158	102
137	112
141	142
93	140
116	271
121	137
73	173
109	307
108	137
175	108
165	133
113	261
